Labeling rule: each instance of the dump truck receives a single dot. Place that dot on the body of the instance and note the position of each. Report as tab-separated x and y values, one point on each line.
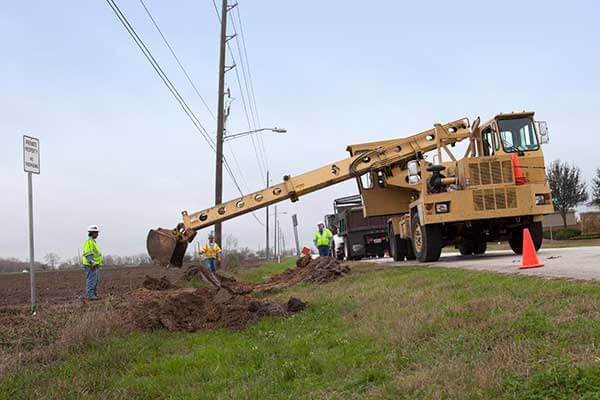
356	236
435	199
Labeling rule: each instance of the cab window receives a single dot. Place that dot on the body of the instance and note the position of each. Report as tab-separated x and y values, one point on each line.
487	141
518	135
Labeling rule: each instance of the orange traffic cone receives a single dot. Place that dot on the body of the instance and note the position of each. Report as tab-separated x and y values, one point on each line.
530	258
519	178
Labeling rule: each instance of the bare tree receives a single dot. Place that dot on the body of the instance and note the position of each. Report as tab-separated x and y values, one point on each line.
567	186
52	259
230	242
596	189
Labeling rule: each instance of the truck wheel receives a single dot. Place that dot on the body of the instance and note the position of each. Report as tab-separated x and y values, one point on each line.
479	247
410	254
397	248
339	253
516	238
426	240
466	248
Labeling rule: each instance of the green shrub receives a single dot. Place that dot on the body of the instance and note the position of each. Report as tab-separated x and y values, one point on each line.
589	235
563	234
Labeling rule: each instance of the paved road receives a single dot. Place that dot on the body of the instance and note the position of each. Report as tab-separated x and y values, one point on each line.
573	262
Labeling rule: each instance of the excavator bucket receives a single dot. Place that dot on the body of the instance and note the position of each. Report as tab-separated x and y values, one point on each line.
166	247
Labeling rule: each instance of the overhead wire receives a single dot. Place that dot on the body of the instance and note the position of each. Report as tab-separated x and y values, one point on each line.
170	86
262	166
255	124
239	17
176	58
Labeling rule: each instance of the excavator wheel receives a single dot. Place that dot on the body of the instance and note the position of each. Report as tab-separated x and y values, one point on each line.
426	240
516	239
166	247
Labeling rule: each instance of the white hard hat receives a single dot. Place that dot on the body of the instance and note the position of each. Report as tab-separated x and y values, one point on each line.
320	223
93	228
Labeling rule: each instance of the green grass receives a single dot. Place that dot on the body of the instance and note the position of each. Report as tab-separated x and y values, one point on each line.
381	332
265	270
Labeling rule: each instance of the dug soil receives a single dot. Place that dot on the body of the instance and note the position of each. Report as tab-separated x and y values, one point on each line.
202	309
308	270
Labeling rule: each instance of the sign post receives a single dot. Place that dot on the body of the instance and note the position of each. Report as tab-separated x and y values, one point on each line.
31	165
295	224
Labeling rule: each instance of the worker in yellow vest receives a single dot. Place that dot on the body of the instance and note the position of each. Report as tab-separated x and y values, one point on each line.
212	252
322	240
92	261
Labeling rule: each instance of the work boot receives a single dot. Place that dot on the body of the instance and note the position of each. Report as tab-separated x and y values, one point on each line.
93	298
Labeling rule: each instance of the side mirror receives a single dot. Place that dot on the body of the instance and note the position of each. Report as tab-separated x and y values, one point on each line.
542	128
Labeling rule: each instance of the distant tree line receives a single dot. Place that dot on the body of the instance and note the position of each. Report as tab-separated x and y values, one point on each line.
568	187
53	261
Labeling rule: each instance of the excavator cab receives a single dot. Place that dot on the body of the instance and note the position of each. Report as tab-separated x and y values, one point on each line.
167	247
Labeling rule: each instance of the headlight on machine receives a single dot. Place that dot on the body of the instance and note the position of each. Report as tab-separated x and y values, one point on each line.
442	208
540	199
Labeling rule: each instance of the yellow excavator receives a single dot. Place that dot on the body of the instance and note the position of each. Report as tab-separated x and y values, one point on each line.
495	190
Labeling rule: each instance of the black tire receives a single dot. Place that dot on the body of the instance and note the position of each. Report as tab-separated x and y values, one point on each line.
397	247
466	247
339	253
380	255
479	247
426	240
516	238
410	254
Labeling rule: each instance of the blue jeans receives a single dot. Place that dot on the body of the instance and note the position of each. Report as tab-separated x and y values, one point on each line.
91	281
211	263
323	251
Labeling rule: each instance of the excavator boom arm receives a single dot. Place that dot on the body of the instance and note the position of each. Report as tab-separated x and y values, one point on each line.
365	157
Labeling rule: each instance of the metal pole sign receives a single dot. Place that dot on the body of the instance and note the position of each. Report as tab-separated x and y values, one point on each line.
31	165
295	224
31	154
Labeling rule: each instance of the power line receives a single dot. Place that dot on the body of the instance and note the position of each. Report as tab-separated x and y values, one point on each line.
250	126
157	68
253	97
252	111
176	58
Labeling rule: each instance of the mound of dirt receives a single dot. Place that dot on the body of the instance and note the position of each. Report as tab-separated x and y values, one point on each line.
163	283
319	270
201	309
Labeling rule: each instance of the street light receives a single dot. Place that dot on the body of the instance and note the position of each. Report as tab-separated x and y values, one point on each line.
279	131
276	130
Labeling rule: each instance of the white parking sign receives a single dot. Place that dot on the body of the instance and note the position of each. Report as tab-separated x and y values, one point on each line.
31	154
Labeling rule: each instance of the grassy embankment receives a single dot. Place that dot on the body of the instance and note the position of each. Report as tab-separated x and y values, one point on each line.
381	332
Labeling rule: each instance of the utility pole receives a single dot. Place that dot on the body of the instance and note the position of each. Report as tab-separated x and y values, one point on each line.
295	225
221	118
275	234
267	224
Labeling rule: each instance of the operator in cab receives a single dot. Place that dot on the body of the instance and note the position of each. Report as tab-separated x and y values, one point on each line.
212	252
322	240
92	261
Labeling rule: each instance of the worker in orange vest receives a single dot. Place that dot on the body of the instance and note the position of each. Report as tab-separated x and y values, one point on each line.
212	252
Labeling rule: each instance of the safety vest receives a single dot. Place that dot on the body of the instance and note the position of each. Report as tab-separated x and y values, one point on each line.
322	239
211	250
90	248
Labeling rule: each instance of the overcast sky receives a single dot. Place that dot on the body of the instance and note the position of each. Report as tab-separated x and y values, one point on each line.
118	152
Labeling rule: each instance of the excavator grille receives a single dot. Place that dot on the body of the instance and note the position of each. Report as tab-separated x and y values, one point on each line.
494	199
490	172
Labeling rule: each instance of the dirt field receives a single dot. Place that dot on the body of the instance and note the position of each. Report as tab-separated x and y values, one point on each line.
58	287
136	299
